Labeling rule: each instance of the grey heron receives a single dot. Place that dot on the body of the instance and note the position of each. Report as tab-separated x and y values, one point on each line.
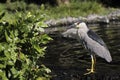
91	41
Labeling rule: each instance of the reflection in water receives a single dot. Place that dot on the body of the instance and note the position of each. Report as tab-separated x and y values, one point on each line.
68	60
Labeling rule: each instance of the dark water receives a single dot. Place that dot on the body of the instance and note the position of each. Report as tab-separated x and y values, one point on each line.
68	60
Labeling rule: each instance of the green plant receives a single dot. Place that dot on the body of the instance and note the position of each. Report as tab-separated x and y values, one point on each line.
16	6
75	9
22	43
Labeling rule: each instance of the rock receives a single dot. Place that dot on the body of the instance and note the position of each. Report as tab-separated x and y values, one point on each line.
63	21
115	15
97	19
93	18
70	33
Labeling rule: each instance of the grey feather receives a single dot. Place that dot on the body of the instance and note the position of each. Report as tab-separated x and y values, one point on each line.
97	46
96	38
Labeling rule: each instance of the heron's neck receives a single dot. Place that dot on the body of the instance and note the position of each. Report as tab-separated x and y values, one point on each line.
82	32
84	29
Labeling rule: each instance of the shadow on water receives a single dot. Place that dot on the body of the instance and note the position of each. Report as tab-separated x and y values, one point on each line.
68	60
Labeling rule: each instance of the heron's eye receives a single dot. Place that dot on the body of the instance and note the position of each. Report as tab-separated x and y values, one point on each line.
77	23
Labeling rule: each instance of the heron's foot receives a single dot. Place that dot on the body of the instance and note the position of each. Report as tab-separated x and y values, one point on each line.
91	71
88	70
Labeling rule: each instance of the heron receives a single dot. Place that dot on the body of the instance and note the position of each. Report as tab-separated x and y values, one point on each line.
91	42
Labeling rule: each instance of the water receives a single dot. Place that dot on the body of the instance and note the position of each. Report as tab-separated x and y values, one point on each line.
68	60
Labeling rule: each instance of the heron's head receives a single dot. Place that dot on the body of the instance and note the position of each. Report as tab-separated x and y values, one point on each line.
81	25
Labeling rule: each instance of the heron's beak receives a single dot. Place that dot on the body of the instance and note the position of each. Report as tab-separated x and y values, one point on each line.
72	26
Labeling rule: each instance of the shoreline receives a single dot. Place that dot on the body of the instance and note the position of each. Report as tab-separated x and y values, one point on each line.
112	17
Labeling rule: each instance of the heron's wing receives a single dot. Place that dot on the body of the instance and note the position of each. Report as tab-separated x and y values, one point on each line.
96	38
70	33
102	50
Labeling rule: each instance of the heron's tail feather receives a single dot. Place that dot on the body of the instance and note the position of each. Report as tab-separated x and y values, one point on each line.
103	53
108	57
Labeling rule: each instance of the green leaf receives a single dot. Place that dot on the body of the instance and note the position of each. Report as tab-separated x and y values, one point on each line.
40	50
45	38
36	46
2	15
8	39
41	29
1	47
28	61
3	58
9	62
29	14
11	34
47	70
7	54
41	24
22	56
2	66
13	56
41	78
14	72
2	74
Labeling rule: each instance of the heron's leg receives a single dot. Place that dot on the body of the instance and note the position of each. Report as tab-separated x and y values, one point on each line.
93	60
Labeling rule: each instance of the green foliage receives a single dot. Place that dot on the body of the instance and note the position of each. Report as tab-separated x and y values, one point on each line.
22	43
18	5
75	9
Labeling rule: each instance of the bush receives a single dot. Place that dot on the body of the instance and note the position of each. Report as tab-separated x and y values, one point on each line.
22	43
